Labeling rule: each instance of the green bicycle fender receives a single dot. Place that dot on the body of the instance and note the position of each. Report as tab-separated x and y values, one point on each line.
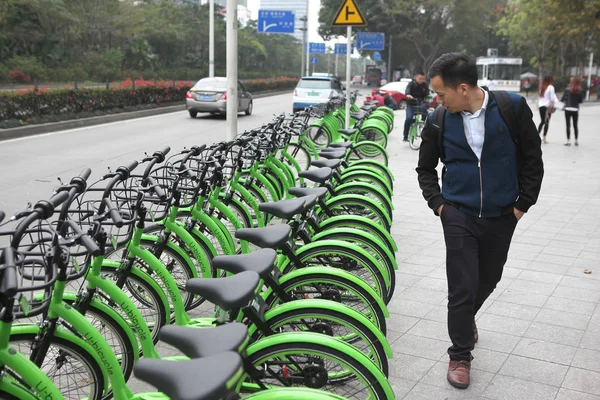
267	184
274	179
346	218
323	236
339	273
346	245
367	187
377	124
367	199
296	166
251	200
18	391
374	175
143	276
242	206
177	249
68	336
231	217
95	303
223	237
291	338
293	393
358	163
380	148
326	305
310	144
384	117
286	172
277	175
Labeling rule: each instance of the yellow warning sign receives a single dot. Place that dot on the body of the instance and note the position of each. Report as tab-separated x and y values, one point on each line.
349	15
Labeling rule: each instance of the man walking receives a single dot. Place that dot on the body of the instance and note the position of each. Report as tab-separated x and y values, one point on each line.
492	175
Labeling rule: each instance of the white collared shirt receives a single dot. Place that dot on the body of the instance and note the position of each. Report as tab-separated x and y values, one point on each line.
475	126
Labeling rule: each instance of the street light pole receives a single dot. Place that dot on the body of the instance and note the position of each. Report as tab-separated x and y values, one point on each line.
304	43
211	38
306	36
232	69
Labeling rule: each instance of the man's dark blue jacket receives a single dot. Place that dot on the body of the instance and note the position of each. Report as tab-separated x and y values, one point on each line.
508	175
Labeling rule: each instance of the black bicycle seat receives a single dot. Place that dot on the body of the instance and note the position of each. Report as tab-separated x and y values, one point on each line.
310	201
284	209
205	342
319	192
320	175
273	237
228	293
345	145
368	107
333	163
333	154
198	379
349	131
359	115
261	261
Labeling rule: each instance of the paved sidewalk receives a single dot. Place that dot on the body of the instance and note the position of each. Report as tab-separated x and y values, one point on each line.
539	332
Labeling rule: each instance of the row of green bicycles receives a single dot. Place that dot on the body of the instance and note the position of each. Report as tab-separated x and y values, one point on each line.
267	265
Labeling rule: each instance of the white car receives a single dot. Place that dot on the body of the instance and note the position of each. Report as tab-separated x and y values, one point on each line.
313	90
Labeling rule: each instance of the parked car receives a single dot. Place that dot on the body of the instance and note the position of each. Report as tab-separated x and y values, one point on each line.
210	95
397	89
357	79
313	90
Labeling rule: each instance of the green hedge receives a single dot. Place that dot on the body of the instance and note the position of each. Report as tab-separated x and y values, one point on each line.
18	108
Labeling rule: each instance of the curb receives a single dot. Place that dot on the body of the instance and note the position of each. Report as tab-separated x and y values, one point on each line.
32	130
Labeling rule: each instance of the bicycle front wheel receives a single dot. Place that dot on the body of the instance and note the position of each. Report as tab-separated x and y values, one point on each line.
415	135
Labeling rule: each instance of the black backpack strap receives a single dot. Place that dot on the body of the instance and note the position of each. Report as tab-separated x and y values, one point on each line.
437	126
507	112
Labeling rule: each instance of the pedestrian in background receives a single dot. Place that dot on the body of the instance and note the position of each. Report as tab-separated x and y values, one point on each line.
572	97
527	86
546	103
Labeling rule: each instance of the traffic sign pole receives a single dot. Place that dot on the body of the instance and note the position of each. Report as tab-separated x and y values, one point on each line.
349	44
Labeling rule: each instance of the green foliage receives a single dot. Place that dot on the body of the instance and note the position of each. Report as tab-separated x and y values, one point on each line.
30	66
105	65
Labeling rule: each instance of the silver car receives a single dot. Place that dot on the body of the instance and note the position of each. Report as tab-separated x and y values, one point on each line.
210	95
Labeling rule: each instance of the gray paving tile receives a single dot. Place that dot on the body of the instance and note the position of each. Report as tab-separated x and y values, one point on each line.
542	277
554	259
421	259
513	310
440	285
590	255
587	359
546	267
406	279
497	323
590	340
534	370
422	391
522	255
553	333
496	341
410	308
567	394
508	388
577	293
439	314
437	376
580	282
401	387
539	234
561	251
423	295
561	318
594	325
545	351
420	346
487	360
409	367
415	269
438	273
516	262
400	323
531	240
521	297
510	272
578	271
430	329
524	247
583	380
569	305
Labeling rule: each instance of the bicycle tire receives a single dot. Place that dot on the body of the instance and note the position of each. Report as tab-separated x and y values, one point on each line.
356	222
372	134
361	337
146	299
68	351
319	347
384	201
356	205
333	287
415	138
367	150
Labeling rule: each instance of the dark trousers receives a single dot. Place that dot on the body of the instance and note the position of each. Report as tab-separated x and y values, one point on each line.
476	251
545	123
410	116
575	116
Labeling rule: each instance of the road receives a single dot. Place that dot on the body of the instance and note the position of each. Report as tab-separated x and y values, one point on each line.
30	166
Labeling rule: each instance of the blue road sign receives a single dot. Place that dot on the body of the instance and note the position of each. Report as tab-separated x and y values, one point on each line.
377	56
275	21
314	60
340	48
370	41
316	48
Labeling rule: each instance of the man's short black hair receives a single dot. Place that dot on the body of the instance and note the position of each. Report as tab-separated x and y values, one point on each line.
419	72
454	69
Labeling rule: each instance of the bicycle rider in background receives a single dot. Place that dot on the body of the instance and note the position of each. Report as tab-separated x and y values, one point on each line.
417	93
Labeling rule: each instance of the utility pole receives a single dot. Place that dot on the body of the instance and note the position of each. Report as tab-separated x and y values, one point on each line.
589	82
304	42
306	36
232	69
389	71
211	38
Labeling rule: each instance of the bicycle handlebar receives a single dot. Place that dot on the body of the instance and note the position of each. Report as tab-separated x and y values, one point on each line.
10	283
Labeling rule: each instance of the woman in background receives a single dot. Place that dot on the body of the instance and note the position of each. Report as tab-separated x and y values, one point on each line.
546	103
572	97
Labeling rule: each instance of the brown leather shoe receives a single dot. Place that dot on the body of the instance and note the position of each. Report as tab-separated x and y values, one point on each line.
475	333
459	373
